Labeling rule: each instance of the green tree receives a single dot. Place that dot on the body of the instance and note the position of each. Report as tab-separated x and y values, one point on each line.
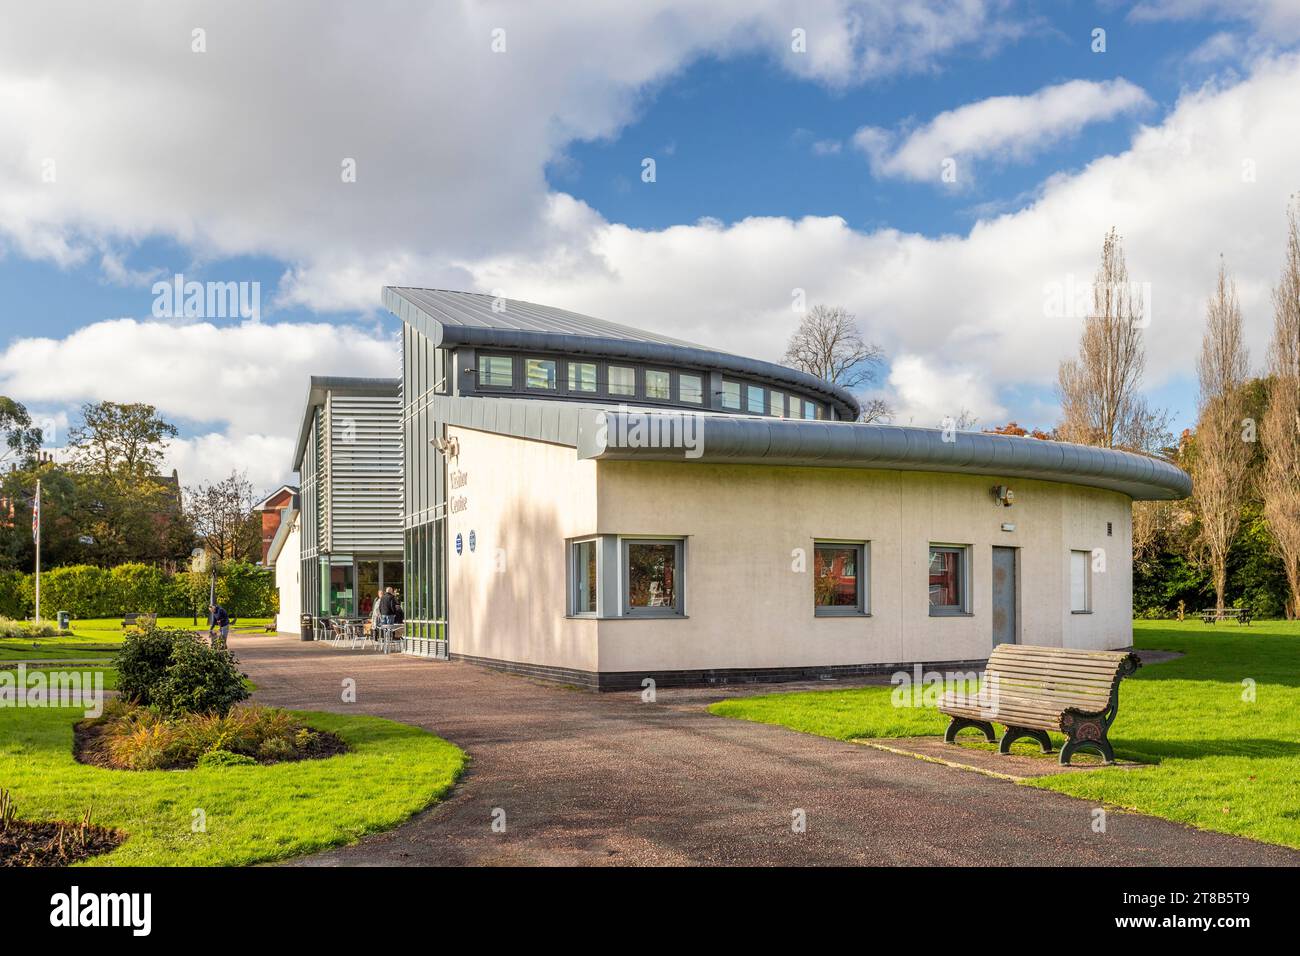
126	508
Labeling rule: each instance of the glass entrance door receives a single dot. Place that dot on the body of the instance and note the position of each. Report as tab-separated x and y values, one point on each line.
368	587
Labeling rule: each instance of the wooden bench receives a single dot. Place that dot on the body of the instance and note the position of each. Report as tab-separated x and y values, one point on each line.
1033	690
136	618
1211	615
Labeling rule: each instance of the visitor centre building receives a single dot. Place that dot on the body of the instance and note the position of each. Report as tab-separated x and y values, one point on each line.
595	504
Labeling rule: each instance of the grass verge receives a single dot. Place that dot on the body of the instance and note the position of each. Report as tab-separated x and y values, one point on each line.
1220	726
251	814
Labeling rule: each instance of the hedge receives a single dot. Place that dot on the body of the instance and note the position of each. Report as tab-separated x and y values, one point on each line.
245	590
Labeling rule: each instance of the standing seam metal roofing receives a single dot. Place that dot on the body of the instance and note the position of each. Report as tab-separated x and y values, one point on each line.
467	318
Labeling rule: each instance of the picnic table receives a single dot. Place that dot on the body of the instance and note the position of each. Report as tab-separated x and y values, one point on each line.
1212	615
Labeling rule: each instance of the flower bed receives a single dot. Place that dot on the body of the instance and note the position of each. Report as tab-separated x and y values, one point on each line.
132	737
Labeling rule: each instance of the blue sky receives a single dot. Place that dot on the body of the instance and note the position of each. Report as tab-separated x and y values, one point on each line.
525	173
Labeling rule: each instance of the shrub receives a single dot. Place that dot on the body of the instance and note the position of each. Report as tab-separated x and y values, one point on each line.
224	758
143	659
198	679
14	601
175	672
133	737
275	748
143	741
246	590
138	587
23	629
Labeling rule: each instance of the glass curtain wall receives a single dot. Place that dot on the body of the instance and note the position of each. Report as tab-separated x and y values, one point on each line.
424	370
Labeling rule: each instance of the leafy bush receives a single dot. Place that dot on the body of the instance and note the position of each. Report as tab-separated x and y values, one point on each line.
139	587
245	590
198	679
14	601
23	629
224	758
143	659
173	671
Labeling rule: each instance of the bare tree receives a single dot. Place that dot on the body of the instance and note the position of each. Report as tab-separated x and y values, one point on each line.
1222	449
223	517
829	344
1280	430
1100	401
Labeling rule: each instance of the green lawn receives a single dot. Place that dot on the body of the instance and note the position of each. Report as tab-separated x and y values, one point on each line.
1219	762
94	637
254	814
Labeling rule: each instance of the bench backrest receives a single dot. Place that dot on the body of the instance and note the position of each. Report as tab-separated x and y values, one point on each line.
1083	680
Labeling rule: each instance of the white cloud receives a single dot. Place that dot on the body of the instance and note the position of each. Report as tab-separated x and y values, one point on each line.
827	147
1279	20
240	149
1010	128
925	394
977	302
244	386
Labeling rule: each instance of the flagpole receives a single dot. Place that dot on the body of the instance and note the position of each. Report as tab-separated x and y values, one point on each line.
36	530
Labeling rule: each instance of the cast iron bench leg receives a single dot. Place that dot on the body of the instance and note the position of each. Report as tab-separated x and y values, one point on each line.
961	723
1015	733
1102	746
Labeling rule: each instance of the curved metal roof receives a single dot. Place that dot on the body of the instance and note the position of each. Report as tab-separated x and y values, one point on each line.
744	439
467	318
605	432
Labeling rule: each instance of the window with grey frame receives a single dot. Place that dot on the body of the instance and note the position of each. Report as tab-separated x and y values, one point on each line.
948	580
653	570
584	576
496	371
840	578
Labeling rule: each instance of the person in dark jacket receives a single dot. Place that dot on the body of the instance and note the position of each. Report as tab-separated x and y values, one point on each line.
218	625
387	607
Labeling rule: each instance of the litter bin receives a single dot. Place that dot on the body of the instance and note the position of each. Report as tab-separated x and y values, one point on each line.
64	618
307	627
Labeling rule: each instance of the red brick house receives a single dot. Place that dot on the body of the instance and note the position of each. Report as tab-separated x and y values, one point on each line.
269	508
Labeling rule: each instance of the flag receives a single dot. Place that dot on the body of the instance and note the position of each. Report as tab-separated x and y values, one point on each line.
36	517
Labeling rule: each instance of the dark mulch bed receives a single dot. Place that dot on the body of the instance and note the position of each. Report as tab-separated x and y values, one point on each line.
40	843
89	747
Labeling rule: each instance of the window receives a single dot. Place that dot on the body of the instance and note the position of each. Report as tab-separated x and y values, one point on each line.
947	580
776	404
583	575
690	388
754	399
652	578
582	376
809	410
839	579
658	384
1080	582
731	395
496	371
539	373
622	380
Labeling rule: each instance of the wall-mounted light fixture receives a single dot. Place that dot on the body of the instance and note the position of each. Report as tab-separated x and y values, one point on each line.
1004	495
448	446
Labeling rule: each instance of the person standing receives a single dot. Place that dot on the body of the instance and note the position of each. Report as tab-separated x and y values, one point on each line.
387	607
218	625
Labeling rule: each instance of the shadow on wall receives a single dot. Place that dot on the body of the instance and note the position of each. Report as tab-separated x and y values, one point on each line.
525	570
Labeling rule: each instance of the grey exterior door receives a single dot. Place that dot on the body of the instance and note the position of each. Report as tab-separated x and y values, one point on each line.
1004	596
